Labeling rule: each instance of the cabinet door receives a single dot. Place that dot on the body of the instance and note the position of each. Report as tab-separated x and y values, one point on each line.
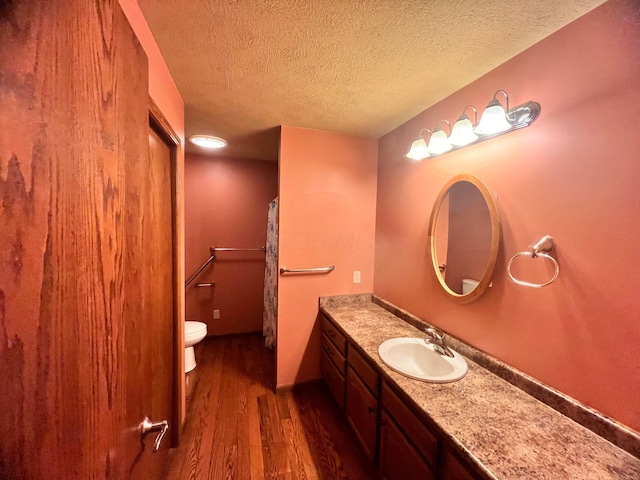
361	412
419	435
398	458
333	378
452	469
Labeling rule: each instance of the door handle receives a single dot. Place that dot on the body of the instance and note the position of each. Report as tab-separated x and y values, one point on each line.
147	426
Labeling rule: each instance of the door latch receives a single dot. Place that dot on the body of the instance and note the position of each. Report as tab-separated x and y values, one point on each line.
147	426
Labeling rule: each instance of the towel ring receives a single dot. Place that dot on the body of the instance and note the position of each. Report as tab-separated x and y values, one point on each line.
541	249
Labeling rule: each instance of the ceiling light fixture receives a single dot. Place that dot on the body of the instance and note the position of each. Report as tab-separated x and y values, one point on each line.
495	121
208	141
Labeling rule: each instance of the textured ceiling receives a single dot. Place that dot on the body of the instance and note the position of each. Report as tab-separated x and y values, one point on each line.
360	67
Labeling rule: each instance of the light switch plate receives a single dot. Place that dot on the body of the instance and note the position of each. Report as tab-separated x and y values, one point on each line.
356	276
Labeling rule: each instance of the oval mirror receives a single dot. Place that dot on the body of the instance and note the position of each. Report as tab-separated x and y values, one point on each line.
464	237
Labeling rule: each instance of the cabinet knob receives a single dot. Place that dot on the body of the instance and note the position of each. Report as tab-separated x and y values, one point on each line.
371	409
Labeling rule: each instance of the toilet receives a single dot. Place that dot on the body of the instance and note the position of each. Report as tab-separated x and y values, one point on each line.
193	333
468	285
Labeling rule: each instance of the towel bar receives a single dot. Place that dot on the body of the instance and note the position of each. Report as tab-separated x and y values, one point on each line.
284	270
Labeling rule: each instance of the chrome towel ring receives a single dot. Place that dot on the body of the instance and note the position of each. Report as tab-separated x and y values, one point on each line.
541	249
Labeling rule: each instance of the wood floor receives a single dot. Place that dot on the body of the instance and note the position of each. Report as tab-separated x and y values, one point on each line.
238	428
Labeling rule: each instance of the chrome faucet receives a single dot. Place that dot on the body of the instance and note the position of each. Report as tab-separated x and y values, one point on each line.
435	337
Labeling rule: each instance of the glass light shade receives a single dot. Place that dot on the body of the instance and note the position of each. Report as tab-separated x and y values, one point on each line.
462	132
208	141
438	143
494	120
418	150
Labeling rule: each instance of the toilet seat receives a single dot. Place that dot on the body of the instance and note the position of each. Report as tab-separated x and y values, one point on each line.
194	331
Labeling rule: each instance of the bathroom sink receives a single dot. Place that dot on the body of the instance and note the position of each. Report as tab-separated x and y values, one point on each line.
417	359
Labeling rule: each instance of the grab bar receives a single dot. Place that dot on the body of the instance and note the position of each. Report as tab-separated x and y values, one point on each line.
284	270
204	265
206	284
213	251
226	249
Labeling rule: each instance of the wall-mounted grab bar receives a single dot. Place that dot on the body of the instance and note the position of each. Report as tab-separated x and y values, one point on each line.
212	251
226	249
206	284
541	249
202	267
284	270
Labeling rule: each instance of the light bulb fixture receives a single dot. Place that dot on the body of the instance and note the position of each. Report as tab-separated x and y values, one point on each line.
208	141
419	150
495	120
439	143
462	133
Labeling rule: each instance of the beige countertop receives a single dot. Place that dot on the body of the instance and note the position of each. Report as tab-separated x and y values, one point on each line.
503	430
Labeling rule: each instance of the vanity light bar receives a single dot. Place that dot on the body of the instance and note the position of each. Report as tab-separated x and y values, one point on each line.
495	121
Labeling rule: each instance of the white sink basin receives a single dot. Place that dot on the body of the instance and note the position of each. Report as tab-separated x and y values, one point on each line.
417	359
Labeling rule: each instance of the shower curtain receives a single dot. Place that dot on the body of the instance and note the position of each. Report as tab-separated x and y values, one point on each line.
270	314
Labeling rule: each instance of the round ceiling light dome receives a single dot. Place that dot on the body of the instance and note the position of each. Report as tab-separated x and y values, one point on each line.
208	141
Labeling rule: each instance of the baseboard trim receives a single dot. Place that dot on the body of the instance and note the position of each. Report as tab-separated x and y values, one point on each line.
292	387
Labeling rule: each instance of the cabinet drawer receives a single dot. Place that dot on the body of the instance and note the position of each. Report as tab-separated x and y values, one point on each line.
452	469
368	375
334	379
334	335
333	353
414	429
399	460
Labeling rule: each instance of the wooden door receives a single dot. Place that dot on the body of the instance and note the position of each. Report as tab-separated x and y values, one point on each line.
149	307
160	286
81	264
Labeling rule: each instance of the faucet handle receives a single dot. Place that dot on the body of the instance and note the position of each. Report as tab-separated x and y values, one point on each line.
435	334
437	339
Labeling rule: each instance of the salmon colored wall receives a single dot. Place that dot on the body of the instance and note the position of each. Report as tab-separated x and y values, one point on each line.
573	174
226	203
327	217
162	88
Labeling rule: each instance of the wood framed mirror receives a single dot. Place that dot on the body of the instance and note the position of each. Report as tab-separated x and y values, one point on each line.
464	237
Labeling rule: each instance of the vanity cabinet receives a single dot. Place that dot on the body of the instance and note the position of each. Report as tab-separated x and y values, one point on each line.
409	449
399	460
420	442
390	432
333	363
452	469
361	402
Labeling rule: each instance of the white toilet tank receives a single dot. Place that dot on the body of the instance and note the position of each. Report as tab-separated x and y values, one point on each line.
468	285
